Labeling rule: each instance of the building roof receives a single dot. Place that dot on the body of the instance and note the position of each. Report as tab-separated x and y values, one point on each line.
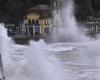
45	7
43	10
40	7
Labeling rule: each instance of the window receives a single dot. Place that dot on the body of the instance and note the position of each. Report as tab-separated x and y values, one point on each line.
33	22
29	21
55	4
56	11
49	21
37	21
46	21
47	30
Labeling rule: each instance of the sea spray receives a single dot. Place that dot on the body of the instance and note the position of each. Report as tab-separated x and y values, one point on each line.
5	43
39	65
65	25
9	51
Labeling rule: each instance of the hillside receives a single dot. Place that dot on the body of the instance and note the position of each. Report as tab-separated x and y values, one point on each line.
14	10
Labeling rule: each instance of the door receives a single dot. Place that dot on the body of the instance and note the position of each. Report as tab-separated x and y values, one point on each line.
46	30
37	30
31	30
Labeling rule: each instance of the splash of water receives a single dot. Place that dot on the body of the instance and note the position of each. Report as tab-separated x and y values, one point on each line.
40	65
6	43
66	27
12	69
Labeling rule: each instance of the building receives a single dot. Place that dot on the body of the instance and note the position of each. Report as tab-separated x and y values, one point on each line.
38	20
56	11
55	4
93	24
